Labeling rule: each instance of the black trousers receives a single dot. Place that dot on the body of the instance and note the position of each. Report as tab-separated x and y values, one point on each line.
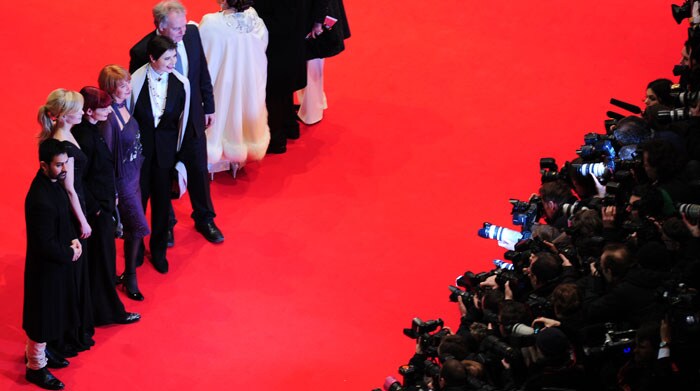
281	117
155	185
193	154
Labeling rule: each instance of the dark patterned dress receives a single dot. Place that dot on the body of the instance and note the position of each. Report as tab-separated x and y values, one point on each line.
126	147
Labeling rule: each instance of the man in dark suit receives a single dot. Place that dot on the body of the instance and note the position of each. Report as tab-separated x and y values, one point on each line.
160	103
170	20
52	244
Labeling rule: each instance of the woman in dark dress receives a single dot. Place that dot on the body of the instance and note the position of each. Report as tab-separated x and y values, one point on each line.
62	111
121	133
321	42
100	200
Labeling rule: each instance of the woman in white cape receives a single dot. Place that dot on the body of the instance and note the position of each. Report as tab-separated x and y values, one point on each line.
234	41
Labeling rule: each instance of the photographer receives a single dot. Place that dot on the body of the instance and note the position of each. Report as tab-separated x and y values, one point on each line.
620	290
650	367
554	195
453	376
556	367
663	169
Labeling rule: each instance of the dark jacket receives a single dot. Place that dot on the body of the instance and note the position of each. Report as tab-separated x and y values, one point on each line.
287	23
331	42
632	299
98	182
48	307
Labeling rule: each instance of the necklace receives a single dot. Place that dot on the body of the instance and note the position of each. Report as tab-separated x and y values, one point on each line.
158	100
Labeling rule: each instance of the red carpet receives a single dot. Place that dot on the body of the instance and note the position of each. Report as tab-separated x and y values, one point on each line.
438	114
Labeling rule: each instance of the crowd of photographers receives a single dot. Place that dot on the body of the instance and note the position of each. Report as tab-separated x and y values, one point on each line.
603	294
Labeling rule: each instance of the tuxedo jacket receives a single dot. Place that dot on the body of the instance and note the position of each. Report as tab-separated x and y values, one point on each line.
202	95
161	143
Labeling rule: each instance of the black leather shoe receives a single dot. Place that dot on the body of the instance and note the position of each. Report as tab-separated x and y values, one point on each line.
171	238
210	232
161	266
292	134
54	360
43	378
130	317
276	148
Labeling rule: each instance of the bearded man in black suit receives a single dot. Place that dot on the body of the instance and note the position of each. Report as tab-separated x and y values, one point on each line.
170	20
52	245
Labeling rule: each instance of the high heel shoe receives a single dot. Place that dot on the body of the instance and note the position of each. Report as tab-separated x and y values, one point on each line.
133	295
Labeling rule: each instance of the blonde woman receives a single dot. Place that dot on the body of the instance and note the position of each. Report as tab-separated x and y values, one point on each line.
63	110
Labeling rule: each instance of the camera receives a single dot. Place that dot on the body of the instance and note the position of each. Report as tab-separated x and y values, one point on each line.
520	256
691	211
571	209
614	342
419	327
525	214
598	149
680	12
507	238
668	116
421	331
500	349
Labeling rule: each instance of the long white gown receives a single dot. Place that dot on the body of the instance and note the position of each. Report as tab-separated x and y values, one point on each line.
235	44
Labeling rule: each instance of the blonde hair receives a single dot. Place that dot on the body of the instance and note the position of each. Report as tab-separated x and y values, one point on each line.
111	76
59	102
163	9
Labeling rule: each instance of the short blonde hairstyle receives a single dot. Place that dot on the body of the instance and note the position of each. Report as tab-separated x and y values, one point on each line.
111	76
58	103
163	9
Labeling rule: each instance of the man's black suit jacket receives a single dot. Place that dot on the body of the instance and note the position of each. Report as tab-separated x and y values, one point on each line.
201	94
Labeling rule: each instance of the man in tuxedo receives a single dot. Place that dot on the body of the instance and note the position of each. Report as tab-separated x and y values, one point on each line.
170	20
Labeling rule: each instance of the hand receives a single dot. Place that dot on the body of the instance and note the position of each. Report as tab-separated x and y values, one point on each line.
77	249
418	348
85	230
551	246
564	260
508	293
600	189
547	322
594	270
209	120
462	307
99	212
693	228
490	282
608	215
316	30
665	331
